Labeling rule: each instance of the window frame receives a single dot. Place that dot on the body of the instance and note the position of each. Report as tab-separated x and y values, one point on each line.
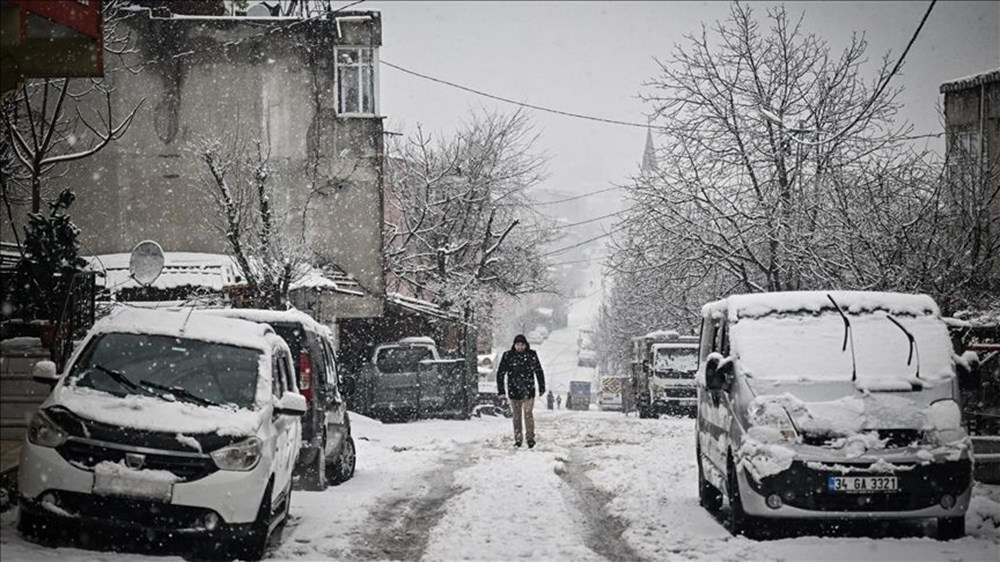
339	89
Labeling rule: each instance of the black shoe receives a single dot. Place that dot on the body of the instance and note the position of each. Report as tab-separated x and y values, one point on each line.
531	443
518	444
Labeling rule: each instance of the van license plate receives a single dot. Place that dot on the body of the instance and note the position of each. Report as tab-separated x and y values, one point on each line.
131	485
862	484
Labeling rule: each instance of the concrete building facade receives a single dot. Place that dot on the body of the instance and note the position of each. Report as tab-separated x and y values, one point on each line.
972	129
306	88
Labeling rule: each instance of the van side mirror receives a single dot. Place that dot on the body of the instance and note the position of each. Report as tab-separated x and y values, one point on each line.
717	373
45	373
291	404
967	369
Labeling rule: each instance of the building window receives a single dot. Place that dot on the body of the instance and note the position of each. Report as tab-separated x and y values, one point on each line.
355	81
966	157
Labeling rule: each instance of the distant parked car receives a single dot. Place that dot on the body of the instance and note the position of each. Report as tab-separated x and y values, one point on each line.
328	454
166	422
534	337
586	358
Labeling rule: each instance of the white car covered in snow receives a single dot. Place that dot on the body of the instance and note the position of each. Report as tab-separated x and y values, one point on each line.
831	405
164	421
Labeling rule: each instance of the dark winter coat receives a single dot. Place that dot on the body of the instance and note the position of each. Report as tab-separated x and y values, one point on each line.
520	370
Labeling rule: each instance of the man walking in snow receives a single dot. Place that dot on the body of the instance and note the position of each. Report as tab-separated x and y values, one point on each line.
550	400
520	367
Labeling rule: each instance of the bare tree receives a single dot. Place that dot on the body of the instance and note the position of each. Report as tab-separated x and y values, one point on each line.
765	136
460	223
270	256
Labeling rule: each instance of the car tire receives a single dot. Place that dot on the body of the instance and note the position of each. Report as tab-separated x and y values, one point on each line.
950	528
38	528
250	545
343	469
709	496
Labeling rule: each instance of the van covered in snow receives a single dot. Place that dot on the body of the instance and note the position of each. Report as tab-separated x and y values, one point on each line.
166	422
831	405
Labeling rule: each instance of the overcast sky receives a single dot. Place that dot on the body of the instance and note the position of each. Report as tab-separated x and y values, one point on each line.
592	58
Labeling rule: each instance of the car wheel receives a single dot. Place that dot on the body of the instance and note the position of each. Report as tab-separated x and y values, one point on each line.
709	496
250	545
342	470
950	528
38	528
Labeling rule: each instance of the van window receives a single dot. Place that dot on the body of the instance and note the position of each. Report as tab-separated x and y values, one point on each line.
809	346
401	359
334	376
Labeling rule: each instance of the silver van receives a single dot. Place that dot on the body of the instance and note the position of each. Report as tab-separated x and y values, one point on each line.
830	405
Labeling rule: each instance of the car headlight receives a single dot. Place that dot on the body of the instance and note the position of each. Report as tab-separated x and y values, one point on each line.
771	422
44	432
242	456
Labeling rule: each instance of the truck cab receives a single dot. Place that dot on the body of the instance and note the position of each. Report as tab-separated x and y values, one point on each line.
664	364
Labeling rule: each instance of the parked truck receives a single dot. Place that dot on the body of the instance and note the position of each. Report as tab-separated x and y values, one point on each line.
612	394
408	379
663	367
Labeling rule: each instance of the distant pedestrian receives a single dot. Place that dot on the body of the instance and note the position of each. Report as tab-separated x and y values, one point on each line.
559	402
569	402
520	366
550	400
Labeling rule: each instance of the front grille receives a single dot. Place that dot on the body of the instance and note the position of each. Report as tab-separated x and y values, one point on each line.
894	438
921	486
134	513
679	392
672	374
87	454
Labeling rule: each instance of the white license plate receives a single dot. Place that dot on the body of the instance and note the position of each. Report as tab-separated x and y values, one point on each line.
862	484
132	485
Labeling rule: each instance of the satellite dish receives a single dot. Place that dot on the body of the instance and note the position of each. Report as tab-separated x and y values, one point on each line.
146	262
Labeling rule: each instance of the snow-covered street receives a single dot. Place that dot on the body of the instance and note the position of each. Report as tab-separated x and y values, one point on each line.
598	486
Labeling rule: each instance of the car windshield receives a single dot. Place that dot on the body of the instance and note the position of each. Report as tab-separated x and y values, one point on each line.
809	346
676	359
401	359
197	371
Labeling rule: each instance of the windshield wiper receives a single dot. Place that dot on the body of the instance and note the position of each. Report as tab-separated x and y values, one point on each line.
182	392
913	343
848	333
122	380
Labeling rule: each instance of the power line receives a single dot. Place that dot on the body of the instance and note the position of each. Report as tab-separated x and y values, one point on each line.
574	198
881	88
517	103
584	242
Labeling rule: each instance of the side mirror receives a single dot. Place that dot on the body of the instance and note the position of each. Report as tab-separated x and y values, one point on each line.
967	369
717	373
349	386
45	373
291	404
